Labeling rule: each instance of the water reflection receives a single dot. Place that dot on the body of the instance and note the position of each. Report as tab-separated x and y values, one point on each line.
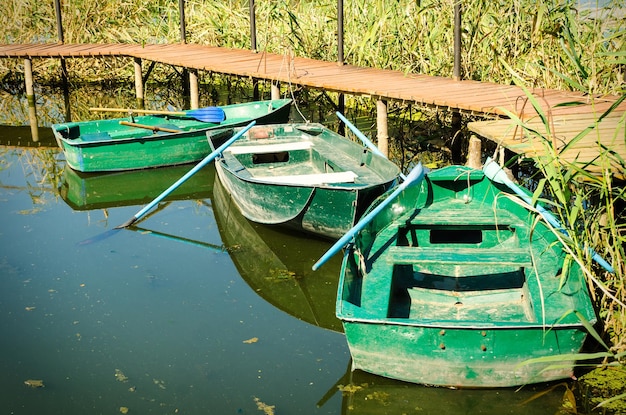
86	191
363	393
277	264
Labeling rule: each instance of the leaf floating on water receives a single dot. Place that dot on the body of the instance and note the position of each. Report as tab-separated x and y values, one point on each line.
29	308
351	388
120	376
34	383
159	383
123	409
267	409
252	340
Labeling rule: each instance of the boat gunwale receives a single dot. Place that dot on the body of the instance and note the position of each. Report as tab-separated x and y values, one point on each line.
74	143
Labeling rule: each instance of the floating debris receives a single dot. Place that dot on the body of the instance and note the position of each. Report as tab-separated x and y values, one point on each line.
351	388
159	383
29	308
120	376
123	409
34	383
252	340
281	275
267	409
132	389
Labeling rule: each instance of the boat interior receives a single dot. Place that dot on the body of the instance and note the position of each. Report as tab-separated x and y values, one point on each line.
473	271
301	158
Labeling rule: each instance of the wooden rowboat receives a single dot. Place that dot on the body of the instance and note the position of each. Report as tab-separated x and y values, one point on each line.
456	283
138	142
302	176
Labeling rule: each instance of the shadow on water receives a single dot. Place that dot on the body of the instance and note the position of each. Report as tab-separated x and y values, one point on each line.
194	310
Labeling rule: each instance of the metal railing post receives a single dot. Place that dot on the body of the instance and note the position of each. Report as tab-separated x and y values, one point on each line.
252	26
340	32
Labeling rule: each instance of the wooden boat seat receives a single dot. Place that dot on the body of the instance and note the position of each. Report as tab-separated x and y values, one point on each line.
312	179
269	148
95	136
466	256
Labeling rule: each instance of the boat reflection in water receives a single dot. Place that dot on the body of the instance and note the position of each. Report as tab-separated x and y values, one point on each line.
88	191
367	394
277	264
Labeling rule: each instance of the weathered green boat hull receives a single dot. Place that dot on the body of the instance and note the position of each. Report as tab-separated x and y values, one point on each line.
325	212
474	358
456	284
106	145
323	209
87	191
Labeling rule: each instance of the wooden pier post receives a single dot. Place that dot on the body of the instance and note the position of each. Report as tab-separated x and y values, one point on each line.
30	97
381	122
275	90
193	88
474	153
139	83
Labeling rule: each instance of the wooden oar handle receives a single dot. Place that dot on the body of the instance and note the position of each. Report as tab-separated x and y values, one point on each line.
137	111
150	127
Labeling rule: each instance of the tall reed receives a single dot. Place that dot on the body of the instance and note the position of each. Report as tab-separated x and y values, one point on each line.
537	40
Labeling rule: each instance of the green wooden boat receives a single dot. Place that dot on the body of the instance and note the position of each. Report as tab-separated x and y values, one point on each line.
138	142
455	283
302	176
88	191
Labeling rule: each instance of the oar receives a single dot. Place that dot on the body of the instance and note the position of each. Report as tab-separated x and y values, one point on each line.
150	127
191	172
206	114
363	138
495	173
415	176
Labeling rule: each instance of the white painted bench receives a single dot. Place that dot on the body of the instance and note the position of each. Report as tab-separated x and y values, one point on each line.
269	148
311	179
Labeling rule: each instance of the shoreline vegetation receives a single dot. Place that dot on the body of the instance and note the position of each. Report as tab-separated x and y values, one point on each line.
551	44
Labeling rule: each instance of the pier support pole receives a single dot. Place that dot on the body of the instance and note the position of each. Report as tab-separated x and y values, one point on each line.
30	97
474	153
275	90
139	83
381	122
193	88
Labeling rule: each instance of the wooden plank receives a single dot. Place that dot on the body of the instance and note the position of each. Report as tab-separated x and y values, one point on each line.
472	96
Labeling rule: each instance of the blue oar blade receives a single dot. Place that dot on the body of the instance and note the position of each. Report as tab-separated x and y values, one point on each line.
494	172
208	114
415	177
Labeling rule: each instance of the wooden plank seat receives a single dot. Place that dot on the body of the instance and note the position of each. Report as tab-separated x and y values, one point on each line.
467	256
311	179
269	148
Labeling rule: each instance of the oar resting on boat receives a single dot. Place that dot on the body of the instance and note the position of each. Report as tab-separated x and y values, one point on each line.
206	114
191	172
495	173
414	177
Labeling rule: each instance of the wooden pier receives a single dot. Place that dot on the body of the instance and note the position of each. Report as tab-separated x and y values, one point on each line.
480	98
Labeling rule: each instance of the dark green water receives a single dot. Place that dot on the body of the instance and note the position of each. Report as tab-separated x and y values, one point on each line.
197	311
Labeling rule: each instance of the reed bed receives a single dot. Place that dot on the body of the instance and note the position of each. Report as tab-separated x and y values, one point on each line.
537	40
